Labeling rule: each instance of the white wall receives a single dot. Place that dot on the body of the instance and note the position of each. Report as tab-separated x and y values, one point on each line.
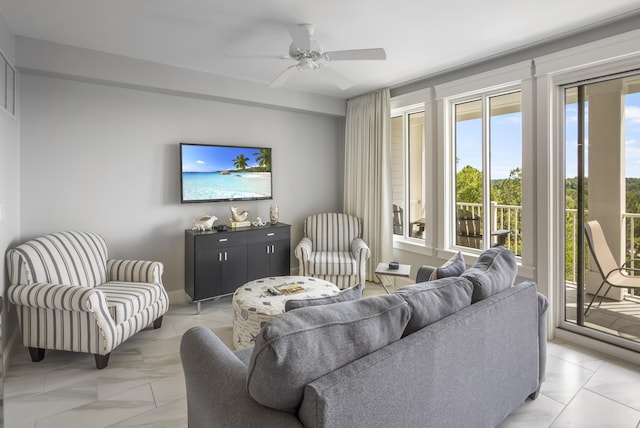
105	159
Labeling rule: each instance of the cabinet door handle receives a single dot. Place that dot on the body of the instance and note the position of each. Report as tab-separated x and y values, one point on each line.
225	256
271	234
268	249
219	257
273	249
223	239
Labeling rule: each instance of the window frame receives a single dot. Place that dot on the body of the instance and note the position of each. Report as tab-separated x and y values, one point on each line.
484	96
405	112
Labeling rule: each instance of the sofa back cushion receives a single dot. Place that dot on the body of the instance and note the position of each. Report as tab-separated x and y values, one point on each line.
300	346
71	258
494	271
353	293
432	301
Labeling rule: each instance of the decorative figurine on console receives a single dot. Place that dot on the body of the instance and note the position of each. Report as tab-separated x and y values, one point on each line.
204	222
258	222
239	219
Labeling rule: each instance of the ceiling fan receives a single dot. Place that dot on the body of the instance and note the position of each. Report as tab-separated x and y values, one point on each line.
310	56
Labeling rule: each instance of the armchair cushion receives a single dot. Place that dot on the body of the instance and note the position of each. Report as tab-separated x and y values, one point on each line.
72	258
125	299
332	263
332	231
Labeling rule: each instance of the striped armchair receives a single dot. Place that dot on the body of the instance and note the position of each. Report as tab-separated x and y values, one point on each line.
70	297
333	249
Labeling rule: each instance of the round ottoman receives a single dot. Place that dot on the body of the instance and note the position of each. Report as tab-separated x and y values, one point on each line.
254	306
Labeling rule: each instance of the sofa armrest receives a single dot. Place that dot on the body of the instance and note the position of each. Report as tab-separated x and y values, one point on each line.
135	271
543	305
424	273
303	249
69	298
360	249
55	296
216	386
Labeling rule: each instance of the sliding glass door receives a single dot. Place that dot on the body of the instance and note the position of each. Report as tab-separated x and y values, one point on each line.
602	183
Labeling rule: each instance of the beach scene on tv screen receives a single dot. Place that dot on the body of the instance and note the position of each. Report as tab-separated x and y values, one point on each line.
220	172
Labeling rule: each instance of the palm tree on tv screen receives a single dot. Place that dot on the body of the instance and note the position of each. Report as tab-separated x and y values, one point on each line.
264	159
240	161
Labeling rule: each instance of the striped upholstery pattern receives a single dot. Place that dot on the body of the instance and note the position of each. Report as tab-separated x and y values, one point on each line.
332	231
70	296
332	263
332	249
134	271
127	299
73	258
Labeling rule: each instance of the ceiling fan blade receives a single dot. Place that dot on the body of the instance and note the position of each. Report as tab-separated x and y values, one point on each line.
356	54
339	79
301	35
258	57
282	77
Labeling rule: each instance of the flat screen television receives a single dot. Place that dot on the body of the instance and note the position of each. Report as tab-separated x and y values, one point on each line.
212	173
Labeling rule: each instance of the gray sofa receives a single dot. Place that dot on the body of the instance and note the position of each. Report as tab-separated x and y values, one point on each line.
455	352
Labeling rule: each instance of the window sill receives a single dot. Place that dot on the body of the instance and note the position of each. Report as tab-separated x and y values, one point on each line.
418	246
414	245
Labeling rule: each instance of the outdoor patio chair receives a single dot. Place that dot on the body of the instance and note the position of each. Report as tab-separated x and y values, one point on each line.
612	274
469	231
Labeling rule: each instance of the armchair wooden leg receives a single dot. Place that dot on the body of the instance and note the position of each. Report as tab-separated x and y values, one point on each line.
157	323
101	361
37	354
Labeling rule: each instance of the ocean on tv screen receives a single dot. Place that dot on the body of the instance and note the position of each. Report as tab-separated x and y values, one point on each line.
225	185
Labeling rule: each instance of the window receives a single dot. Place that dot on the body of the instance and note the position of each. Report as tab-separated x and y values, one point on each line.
7	85
407	173
487	134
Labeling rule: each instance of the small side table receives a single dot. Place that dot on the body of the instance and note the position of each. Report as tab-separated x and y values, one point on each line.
383	270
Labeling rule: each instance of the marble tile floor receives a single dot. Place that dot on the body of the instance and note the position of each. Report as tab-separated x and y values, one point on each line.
143	386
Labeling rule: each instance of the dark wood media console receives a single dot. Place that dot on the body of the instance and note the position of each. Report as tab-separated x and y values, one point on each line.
217	263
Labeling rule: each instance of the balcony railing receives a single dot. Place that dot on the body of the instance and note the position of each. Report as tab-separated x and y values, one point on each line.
502	217
509	217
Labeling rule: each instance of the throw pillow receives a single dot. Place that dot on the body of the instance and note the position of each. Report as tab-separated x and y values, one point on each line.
300	346
494	271
452	267
432	301
353	293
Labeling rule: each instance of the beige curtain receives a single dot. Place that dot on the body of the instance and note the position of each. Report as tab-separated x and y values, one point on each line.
367	173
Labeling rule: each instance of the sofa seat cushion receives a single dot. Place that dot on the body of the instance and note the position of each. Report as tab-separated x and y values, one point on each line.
432	301
125	299
332	263
494	271
300	346
352	293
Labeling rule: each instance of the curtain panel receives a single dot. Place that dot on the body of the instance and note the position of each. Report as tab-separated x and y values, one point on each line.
367	173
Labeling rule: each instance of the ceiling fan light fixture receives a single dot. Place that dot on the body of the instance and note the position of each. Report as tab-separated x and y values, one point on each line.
310	55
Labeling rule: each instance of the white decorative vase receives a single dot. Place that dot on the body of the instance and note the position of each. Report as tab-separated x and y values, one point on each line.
273	214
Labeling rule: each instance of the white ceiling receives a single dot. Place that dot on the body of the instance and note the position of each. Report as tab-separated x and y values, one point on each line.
421	37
